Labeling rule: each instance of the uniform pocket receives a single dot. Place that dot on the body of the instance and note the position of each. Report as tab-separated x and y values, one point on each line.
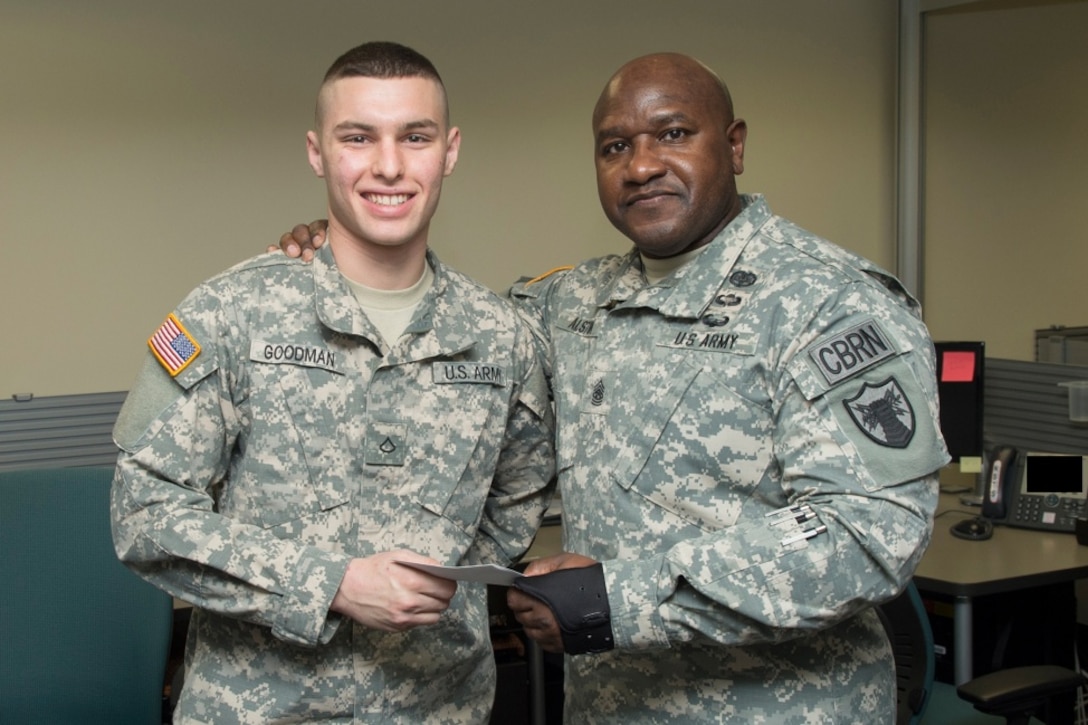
880	419
298	461
460	431
702	449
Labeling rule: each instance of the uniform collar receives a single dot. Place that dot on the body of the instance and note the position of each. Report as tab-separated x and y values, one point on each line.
686	292
337	307
441	311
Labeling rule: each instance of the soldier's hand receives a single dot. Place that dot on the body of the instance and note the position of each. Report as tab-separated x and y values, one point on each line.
536	617
380	593
565	560
303	240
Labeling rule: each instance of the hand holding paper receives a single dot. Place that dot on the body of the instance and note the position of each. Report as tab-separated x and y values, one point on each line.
378	593
484	573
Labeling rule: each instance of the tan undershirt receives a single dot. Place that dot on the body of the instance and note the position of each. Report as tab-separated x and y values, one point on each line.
658	269
391	310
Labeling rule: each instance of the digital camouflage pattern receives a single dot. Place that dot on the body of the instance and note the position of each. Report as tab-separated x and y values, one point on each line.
776	370
293	442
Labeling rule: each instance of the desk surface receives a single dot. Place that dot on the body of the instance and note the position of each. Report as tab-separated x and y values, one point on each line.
1012	559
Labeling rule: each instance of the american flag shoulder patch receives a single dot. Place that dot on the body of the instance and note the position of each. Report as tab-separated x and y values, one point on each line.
174	347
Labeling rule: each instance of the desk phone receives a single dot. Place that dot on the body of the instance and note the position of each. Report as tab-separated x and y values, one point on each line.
1046	491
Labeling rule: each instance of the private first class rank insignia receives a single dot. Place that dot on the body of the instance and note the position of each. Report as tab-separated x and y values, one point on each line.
174	347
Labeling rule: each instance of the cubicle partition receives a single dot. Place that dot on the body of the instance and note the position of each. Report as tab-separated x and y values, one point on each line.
1027	407
58	431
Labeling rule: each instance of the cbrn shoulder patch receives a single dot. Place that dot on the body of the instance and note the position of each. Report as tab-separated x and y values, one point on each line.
850	352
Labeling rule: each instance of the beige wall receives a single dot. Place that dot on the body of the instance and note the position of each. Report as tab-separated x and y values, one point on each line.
145	145
1006	173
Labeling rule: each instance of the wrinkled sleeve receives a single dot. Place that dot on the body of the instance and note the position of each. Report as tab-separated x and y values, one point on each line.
524	479
176	438
871	505
531	298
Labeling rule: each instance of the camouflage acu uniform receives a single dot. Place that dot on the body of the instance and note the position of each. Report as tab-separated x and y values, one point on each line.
773	371
292	443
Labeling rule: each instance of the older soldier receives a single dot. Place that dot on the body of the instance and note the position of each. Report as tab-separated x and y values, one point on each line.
747	438
300	429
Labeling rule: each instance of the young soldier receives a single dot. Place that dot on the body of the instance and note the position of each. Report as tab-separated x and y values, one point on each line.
299	429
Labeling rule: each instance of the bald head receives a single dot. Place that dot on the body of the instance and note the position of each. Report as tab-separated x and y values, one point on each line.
667	149
676	69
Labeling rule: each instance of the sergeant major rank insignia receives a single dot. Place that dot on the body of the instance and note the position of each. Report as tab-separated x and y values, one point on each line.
883	413
174	347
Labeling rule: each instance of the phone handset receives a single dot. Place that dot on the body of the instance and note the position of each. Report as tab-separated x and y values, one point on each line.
998	479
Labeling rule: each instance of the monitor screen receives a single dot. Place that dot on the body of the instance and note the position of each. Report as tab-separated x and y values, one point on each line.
960	371
1054	474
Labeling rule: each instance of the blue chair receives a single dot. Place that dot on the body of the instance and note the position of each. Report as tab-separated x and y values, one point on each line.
82	639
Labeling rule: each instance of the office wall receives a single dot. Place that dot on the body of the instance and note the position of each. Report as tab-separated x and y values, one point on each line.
146	145
1006	158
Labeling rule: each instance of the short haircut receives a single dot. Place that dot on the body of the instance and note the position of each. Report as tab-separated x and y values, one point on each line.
384	59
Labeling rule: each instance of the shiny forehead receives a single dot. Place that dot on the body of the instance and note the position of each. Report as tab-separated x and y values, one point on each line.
668	80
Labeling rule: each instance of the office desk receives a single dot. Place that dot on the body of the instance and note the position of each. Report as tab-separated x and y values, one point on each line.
1013	560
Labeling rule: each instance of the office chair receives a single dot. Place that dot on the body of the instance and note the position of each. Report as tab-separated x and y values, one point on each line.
908	629
1015	693
82	639
1020	692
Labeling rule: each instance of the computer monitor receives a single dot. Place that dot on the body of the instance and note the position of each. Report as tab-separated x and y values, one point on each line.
960	376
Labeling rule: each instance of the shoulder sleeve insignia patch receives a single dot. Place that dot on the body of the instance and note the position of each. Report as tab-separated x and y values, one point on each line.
174	347
883	413
848	353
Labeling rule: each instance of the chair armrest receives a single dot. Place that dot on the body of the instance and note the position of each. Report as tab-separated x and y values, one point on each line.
998	690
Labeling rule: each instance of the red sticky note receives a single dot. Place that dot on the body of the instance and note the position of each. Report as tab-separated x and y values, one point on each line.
957	366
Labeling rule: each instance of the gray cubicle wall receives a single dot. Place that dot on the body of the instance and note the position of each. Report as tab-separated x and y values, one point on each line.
1024	406
60	430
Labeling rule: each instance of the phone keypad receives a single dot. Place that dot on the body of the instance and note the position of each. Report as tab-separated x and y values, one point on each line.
1048	511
